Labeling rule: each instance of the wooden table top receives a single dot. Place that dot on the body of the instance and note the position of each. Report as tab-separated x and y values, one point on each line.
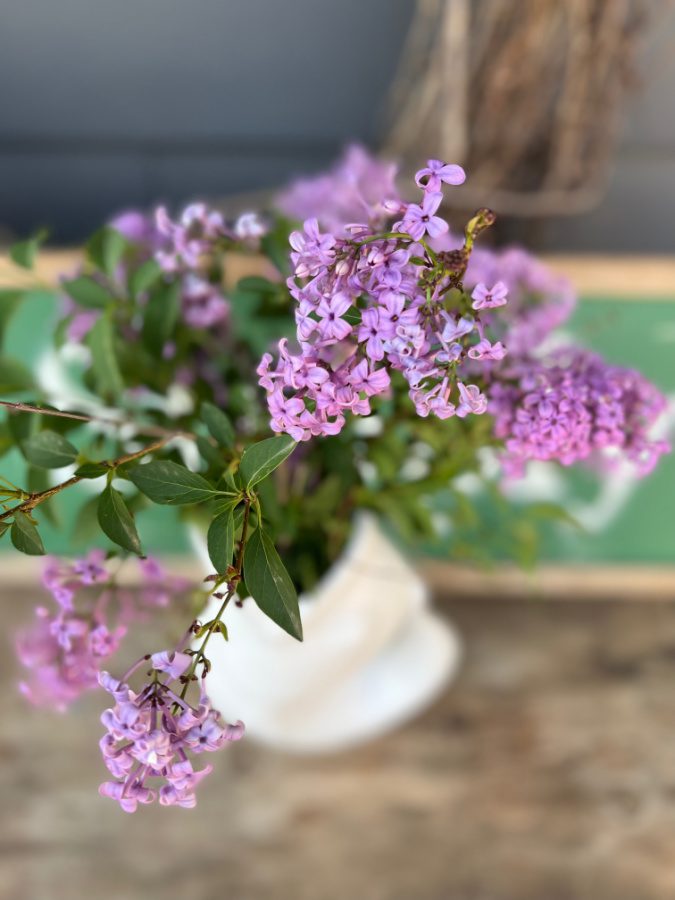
546	772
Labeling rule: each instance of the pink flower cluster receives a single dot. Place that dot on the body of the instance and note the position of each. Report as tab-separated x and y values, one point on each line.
152	734
64	649
370	303
573	405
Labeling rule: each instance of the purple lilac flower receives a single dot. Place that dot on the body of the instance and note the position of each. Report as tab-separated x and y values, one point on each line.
63	653
437	172
152	735
190	238
249	226
312	251
359	188
64	649
489	298
362	309
183	249
421	220
138	228
574	405
539	299
203	303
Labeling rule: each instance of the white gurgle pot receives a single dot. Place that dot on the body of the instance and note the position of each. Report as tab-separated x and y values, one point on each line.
374	654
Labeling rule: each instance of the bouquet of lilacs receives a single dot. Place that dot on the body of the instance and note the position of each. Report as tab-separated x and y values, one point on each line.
388	319
547	401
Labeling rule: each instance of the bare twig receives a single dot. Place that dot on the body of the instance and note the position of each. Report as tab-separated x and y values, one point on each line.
156	430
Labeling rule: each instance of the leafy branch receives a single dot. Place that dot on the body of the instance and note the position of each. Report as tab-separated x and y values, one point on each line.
31	500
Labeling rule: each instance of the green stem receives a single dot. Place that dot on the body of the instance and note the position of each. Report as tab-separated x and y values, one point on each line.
385	236
233	582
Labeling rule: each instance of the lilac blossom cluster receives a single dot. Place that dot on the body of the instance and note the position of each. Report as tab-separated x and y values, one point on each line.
572	406
64	649
184	250
540	300
357	188
361	187
151	735
372	302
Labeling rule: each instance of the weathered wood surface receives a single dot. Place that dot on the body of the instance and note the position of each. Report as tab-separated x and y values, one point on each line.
546	773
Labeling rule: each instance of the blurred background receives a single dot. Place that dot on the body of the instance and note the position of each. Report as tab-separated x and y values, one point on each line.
563	113
545	771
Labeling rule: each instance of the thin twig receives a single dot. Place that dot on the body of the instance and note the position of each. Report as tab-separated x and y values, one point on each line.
35	499
233	582
156	430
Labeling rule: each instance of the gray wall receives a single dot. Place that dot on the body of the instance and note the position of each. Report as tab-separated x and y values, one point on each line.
110	104
105	104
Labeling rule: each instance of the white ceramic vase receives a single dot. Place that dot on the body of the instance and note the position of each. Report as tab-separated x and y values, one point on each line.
374	655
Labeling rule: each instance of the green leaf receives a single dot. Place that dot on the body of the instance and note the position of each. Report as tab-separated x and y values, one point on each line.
14	376
9	303
23	253
256	285
106	248
116	521
219	627
164	481
6	438
220	541
144	277
49	450
25	536
230	480
554	512
4	526
258	460
161	315
88	293
208	451
115	246
219	425
275	244
92	470
222	628
105	368
270	584
86	523
37	480
23	425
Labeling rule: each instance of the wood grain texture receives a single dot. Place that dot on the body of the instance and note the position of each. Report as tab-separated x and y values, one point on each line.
546	773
